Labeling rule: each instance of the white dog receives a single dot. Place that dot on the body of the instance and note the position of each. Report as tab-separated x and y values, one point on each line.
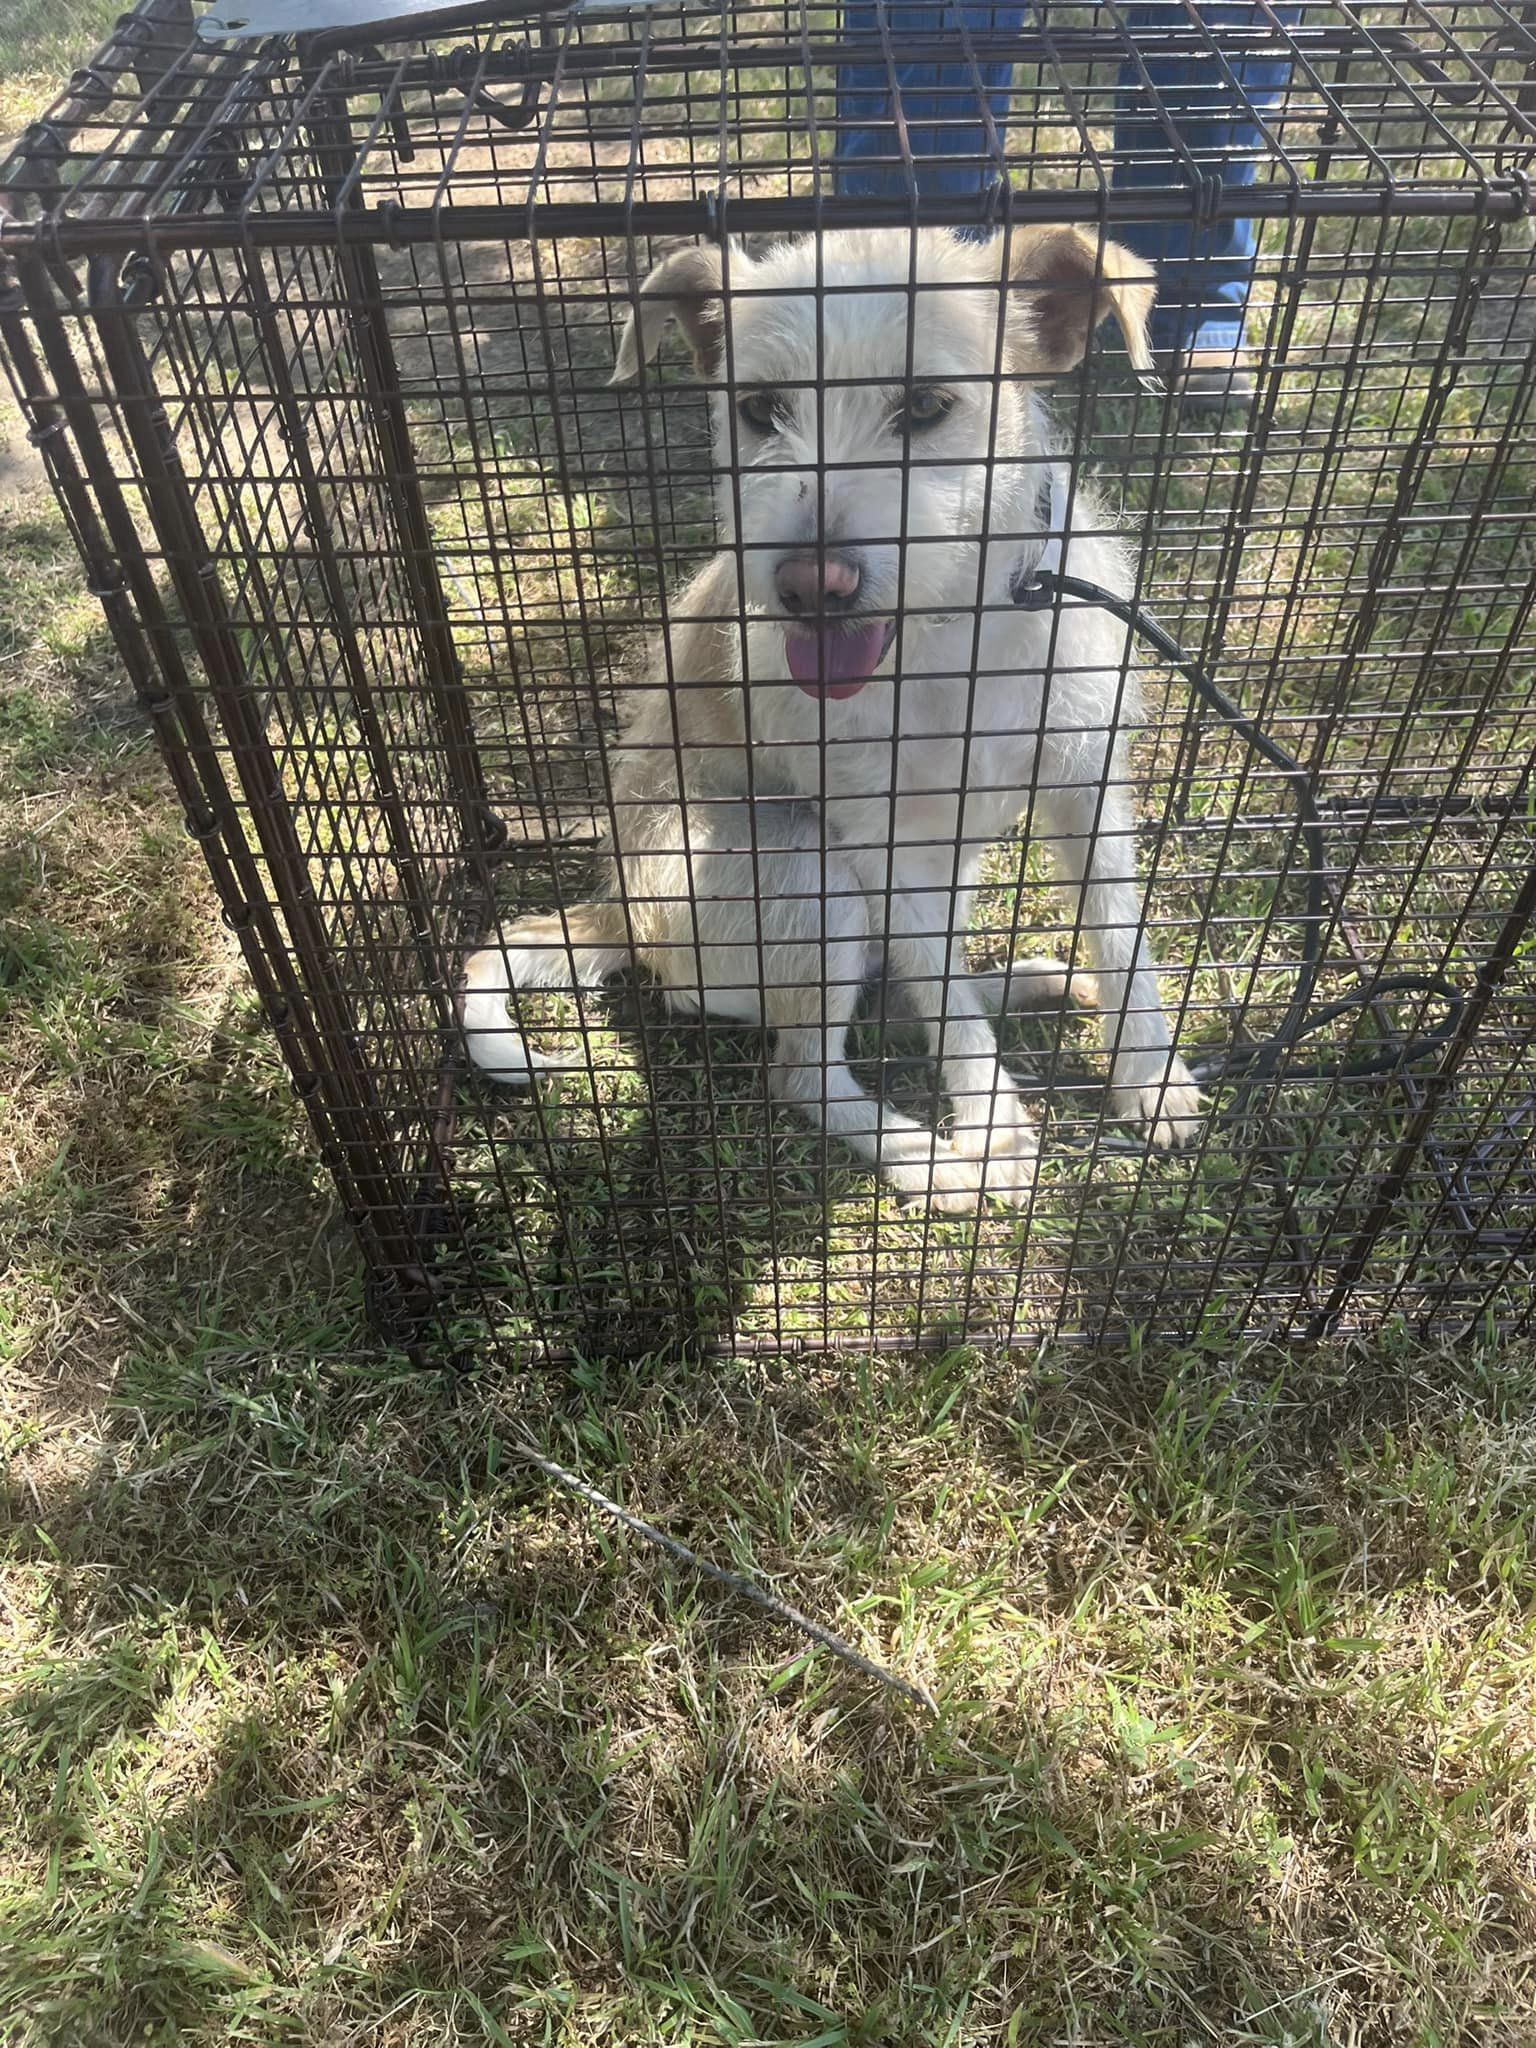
850	710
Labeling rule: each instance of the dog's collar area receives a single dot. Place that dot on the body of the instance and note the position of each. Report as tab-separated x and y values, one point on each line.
1031	582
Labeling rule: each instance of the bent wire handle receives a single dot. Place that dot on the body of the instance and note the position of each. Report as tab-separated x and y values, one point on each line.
1509	41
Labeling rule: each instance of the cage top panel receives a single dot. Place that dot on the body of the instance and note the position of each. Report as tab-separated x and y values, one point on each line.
681	120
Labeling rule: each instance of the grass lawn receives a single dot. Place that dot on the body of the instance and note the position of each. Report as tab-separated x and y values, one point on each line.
323	1719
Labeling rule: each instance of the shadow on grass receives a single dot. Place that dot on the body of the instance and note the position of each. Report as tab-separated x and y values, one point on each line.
162	1178
352	1726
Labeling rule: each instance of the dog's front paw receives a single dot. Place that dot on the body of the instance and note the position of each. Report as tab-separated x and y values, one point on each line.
1159	1093
958	1185
992	1162
1007	1144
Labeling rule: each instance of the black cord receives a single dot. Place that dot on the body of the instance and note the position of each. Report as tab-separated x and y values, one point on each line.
1034	590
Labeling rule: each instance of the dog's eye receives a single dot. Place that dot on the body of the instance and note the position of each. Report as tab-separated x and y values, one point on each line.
762	411
925	407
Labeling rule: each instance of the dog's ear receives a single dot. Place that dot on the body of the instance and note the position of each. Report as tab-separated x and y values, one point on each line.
1068	281
684	287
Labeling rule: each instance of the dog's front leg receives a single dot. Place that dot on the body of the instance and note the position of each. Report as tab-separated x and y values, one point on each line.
992	1126
1093	844
812	960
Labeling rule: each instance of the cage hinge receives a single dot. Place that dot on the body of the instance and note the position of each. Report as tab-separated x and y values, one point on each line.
139	282
221	168
40	155
106	580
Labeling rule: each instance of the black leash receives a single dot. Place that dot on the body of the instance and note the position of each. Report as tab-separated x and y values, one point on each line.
1035	590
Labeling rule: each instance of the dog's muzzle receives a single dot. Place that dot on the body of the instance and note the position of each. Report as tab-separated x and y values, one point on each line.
831	646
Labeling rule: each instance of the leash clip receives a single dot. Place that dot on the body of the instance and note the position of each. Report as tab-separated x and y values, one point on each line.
1031	587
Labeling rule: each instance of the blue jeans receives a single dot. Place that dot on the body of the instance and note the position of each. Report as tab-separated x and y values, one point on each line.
1204	274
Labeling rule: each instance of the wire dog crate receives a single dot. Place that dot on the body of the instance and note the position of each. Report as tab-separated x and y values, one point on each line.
316	332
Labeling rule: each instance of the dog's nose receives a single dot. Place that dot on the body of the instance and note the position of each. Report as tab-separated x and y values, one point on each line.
816	583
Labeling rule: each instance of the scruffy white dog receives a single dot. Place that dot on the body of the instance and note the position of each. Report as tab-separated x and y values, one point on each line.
848	709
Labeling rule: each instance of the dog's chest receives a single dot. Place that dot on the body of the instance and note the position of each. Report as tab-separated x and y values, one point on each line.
895	763
920	774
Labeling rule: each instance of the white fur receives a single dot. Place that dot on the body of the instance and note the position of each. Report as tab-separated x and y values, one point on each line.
765	840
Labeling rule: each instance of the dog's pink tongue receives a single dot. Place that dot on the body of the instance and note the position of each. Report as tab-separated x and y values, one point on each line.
836	664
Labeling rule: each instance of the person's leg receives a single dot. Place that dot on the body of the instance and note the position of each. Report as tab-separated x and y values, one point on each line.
939	102
1204	274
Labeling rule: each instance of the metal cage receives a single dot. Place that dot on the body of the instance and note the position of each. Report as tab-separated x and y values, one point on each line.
315	334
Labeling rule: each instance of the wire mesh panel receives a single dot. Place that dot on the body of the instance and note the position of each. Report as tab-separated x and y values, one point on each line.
697	523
